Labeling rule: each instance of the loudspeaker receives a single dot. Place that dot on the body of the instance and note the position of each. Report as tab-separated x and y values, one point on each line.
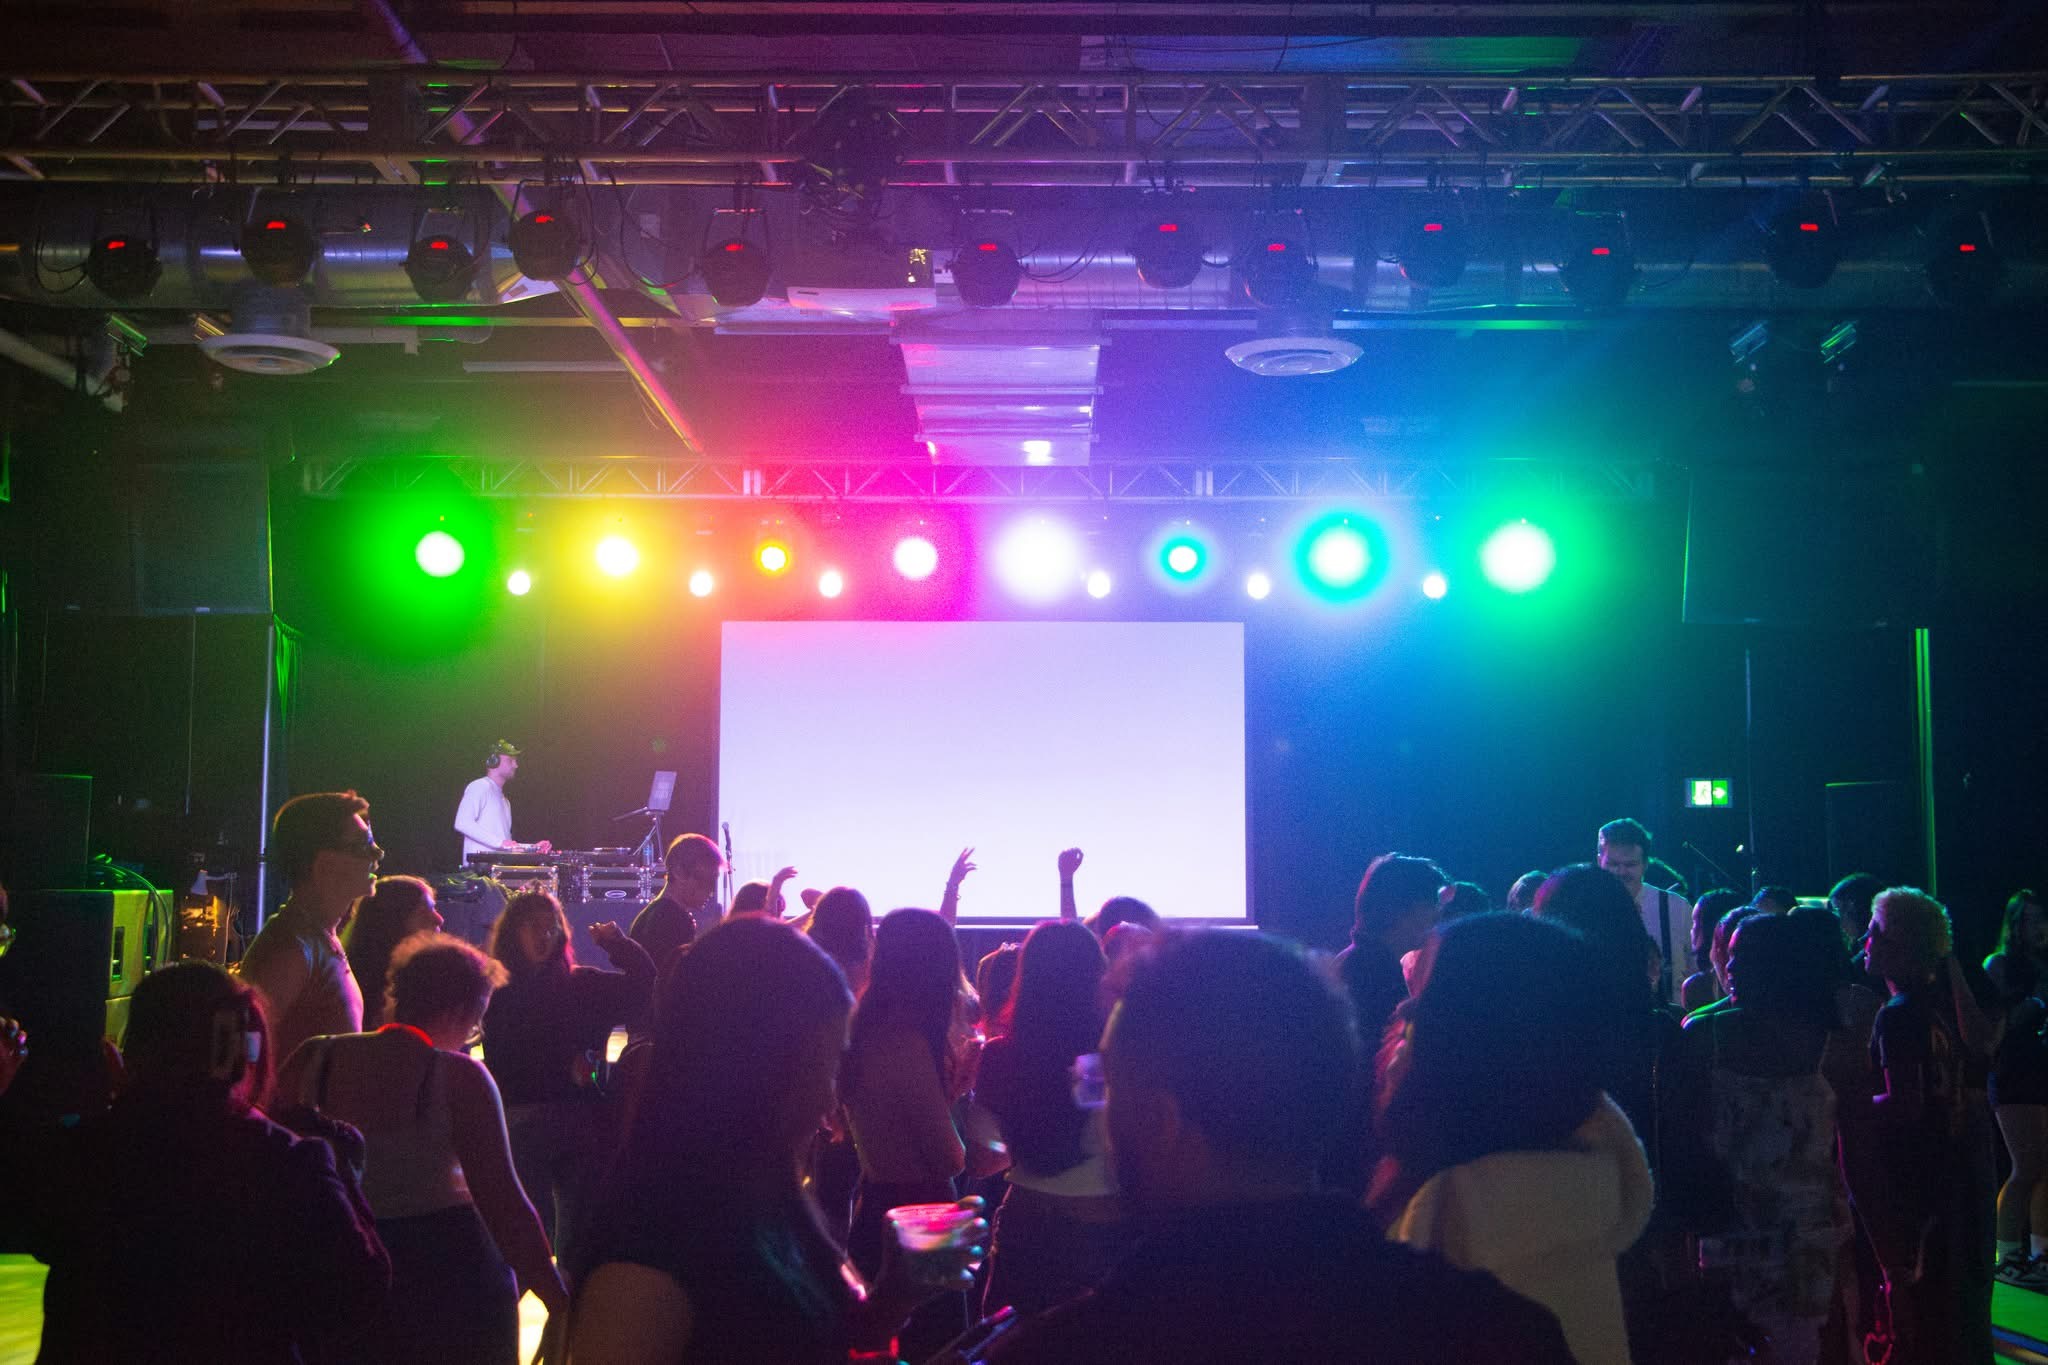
1806	547
201	531
1874	827
76	959
53	828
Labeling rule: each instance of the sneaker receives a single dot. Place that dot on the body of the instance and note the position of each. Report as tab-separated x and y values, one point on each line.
2022	1272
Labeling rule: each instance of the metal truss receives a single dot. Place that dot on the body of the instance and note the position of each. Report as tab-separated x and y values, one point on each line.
1366	129
683	478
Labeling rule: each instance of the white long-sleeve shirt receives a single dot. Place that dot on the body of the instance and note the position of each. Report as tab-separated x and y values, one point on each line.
484	819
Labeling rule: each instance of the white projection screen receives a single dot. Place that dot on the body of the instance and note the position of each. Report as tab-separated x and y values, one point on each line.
869	753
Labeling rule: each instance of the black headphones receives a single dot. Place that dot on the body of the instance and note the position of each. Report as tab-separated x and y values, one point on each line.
504	748
237	1040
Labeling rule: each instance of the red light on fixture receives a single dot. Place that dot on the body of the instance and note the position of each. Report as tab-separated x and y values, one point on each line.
735	246
438	244
276	225
543	217
117	244
1432	227
1809	227
1276	246
1603	251
986	246
1966	246
1169	227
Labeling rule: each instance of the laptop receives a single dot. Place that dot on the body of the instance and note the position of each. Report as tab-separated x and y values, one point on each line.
662	793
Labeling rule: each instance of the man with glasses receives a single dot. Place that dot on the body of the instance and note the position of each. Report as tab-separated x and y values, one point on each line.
322	845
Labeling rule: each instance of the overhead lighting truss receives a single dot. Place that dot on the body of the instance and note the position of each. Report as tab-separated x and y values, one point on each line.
685	478
1093	128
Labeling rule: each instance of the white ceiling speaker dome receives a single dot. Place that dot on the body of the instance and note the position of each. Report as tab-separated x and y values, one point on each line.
1281	357
1294	341
272	334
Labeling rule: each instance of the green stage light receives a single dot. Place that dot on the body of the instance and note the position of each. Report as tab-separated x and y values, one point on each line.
438	554
1183	557
1518	557
617	556
519	583
1341	557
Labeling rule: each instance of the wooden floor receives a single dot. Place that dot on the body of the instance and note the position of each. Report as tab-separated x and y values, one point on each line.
21	1313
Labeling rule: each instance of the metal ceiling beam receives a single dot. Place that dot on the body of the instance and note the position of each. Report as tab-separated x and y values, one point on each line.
689	479
1077	128
582	292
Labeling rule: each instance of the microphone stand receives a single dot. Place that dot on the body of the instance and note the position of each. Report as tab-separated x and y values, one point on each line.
1719	870
651	845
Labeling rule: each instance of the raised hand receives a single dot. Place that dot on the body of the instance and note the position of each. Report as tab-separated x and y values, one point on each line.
607	935
961	867
1070	863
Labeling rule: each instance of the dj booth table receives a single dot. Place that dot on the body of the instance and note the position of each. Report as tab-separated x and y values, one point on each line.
593	885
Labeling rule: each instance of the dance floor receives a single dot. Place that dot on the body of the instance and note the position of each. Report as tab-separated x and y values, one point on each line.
2020	1317
21	1313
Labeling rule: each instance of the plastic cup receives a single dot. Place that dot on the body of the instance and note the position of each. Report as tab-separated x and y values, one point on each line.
931	1227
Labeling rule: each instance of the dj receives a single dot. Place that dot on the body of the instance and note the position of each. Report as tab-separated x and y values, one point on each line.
484	819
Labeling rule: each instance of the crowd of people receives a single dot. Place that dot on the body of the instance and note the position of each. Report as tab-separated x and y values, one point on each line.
1595	1122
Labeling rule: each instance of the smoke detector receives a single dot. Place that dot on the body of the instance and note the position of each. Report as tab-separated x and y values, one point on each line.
1283	356
272	334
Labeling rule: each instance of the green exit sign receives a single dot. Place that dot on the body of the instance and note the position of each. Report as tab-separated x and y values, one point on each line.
1707	791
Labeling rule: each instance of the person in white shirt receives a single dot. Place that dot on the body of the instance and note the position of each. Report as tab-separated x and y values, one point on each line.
1667	916
484	819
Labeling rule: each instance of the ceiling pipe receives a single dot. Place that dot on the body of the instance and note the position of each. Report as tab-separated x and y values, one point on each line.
70	373
583	294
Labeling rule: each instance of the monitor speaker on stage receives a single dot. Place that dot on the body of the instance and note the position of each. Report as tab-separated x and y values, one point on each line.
1839	549
76	958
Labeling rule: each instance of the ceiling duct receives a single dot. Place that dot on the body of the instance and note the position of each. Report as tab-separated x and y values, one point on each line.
272	333
1017	397
47	234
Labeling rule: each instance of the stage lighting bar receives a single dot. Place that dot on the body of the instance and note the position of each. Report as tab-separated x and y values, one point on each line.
916	558
438	554
1038	559
1341	557
617	556
1518	557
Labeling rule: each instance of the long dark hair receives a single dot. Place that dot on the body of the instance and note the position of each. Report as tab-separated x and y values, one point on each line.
1054	1015
376	928
706	1171
2011	943
844	927
914	982
1489	1070
737	1013
503	943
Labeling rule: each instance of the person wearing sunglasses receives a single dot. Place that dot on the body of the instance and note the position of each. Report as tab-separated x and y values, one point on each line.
321	844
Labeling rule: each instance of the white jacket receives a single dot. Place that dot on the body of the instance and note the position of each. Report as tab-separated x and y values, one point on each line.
1548	1225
